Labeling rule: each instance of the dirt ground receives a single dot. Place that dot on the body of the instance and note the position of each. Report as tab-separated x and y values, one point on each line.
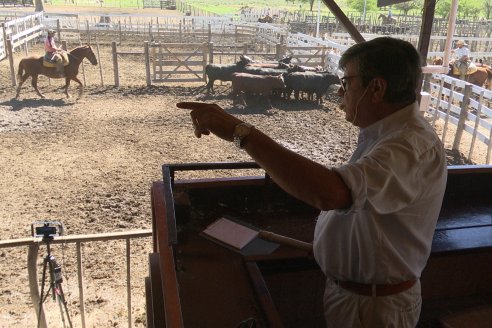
89	163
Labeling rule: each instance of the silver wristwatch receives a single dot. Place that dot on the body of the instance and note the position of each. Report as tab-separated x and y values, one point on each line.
241	131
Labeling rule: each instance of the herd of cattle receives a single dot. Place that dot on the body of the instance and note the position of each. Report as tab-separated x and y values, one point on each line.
271	78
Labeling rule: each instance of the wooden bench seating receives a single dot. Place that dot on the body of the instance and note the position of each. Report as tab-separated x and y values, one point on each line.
475	317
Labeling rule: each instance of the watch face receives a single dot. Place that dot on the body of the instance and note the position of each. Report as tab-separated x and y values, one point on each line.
242	130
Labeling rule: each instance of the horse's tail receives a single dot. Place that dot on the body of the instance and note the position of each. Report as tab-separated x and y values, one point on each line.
21	69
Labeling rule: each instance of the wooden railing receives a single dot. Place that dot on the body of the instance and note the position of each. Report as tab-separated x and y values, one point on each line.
33	248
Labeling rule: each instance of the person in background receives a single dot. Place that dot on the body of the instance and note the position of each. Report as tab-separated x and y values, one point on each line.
378	212
461	59
53	53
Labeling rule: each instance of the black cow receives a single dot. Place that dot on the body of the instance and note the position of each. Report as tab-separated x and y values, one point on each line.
309	82
223	72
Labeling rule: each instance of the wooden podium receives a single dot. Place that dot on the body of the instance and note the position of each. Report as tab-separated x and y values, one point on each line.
195	282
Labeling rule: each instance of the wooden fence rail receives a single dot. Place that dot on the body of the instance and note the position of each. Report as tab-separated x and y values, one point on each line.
463	105
78	240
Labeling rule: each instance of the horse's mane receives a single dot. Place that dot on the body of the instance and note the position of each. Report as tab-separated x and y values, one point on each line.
79	47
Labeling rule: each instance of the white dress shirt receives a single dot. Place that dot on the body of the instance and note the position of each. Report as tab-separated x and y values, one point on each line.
397	177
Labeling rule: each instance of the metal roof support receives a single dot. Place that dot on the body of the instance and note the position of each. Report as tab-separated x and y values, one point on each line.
426	29
451	27
344	20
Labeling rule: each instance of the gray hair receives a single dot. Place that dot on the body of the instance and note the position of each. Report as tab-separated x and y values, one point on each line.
396	61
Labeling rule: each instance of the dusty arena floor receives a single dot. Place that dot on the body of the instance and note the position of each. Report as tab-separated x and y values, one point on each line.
89	163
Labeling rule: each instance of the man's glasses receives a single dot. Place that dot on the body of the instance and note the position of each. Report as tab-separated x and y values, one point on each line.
344	79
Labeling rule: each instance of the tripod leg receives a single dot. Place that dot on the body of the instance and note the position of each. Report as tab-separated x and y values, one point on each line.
61	300
41	300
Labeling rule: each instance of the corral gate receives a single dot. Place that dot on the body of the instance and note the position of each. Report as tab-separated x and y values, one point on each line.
308	56
178	62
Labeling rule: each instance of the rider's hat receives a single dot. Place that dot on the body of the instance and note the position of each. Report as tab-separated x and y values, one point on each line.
461	42
51	31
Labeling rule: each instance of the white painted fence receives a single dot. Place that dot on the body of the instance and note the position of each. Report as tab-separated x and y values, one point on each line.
467	107
20	31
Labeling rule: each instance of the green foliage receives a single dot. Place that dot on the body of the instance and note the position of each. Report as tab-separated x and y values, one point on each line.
358	5
407	6
102	3
466	8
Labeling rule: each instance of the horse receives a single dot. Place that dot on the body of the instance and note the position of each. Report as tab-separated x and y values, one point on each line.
265	19
33	66
479	78
387	20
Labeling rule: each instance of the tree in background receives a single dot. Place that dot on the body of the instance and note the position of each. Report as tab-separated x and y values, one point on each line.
405	7
466	8
38	5
358	5
488	9
311	3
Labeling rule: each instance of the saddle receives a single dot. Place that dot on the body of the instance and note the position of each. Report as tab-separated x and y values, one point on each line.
472	68
51	63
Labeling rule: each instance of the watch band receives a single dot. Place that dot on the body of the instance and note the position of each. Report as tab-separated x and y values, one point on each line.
241	131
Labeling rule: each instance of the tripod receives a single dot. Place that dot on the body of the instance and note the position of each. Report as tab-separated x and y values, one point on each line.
56	279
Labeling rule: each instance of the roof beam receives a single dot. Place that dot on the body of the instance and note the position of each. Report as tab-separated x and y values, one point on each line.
354	33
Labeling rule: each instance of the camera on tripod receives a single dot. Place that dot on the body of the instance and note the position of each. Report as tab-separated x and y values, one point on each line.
47	229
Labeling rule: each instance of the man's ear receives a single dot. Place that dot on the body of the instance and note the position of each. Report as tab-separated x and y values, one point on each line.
378	86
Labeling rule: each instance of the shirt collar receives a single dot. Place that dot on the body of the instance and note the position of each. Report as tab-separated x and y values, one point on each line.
388	124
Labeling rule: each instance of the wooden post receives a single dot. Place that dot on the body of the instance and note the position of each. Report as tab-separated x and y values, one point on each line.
448	111
82	64
11	61
147	63
99	62
323	56
4	34
180	32
88	31
128	283
477	124
58	29
32	257
426	86
245	49
489	148
211	52
463	115
204	60
25	40
119	31
424	102
115	64
278	51
81	283
209	38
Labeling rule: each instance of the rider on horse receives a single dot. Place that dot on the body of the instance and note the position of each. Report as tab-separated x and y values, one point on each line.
53	53
461	60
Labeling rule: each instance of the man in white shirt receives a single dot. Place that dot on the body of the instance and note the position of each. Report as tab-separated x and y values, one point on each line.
378	212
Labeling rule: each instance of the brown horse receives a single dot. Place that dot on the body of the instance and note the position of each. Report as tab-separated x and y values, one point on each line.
33	66
387	20
482	76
